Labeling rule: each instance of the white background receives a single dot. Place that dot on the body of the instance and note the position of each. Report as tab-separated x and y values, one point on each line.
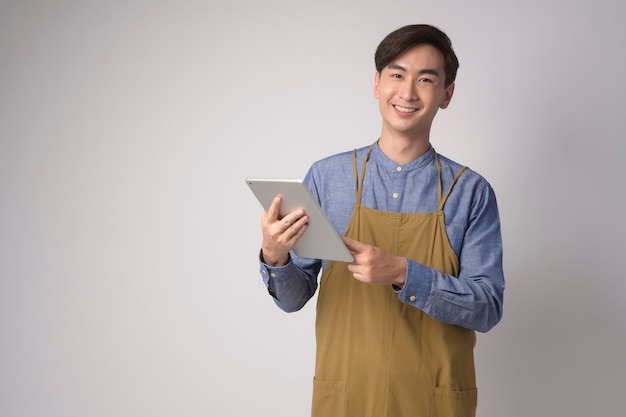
129	283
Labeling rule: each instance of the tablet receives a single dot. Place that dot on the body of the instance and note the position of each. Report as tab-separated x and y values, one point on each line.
321	240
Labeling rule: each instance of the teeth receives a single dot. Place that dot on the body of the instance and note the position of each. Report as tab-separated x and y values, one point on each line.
405	109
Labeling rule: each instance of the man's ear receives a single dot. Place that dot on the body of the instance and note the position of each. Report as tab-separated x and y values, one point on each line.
377	85
447	96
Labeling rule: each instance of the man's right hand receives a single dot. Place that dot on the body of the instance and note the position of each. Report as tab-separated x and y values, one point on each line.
280	235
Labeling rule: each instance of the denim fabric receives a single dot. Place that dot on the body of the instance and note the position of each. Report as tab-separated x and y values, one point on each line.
474	298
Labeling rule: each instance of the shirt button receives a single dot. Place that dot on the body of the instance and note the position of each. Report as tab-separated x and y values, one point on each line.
412	298
395	195
399	169
273	275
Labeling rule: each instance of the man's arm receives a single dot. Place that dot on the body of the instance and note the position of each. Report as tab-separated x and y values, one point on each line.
473	300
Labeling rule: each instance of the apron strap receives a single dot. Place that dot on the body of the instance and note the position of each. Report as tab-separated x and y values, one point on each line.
439	186
356	175
359	183
442	200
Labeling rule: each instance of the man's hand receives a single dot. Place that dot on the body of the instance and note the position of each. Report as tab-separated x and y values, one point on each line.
372	265
280	235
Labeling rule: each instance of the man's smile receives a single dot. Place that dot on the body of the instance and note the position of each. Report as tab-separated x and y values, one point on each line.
404	109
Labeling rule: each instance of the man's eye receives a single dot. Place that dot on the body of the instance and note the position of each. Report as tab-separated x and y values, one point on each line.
397	76
425	80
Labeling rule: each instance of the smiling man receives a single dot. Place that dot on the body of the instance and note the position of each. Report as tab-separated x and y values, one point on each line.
396	327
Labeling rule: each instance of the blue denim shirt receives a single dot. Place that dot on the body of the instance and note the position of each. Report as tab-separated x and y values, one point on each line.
474	298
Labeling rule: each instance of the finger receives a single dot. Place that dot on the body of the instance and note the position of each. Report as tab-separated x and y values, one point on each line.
274	209
353	245
292	218
356	274
297	228
300	231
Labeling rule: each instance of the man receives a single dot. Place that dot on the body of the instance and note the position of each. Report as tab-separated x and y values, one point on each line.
396	327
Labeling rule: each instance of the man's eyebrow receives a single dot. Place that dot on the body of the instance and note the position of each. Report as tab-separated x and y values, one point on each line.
429	71
396	67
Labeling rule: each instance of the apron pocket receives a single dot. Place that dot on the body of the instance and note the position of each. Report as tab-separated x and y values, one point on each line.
329	399
448	403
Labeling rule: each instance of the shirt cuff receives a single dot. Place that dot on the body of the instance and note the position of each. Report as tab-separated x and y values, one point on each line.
273	272
416	289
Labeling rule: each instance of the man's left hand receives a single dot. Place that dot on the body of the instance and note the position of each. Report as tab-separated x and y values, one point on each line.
373	265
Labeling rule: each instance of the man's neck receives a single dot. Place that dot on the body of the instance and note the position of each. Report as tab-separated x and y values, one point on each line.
402	150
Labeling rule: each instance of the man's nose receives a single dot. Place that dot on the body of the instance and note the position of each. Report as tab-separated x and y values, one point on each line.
407	90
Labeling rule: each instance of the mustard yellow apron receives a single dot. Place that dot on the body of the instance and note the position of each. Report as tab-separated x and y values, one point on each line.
377	356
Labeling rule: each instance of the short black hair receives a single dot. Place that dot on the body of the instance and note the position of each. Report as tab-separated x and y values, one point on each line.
407	37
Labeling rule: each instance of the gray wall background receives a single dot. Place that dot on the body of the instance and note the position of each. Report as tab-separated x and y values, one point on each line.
128	238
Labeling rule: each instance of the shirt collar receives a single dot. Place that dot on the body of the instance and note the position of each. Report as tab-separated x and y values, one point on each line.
389	166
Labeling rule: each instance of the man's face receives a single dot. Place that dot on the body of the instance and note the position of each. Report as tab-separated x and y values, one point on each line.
410	90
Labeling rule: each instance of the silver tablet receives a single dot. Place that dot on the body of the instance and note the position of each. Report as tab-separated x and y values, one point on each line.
321	240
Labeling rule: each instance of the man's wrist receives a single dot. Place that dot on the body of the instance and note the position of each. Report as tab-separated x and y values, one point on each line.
401	276
275	262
